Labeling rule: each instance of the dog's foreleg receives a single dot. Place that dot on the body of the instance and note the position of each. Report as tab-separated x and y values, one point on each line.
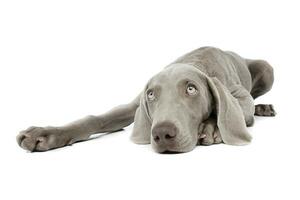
45	138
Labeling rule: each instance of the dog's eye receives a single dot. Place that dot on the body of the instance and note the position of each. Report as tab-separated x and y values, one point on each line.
191	89
150	95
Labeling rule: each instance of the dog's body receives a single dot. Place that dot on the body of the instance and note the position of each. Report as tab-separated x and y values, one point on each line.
204	97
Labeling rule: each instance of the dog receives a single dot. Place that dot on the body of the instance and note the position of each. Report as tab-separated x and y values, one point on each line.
205	97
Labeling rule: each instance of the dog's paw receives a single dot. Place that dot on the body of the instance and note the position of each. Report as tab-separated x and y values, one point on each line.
41	139
209	133
266	110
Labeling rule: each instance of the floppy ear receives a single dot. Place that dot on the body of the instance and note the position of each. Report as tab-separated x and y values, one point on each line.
231	122
142	124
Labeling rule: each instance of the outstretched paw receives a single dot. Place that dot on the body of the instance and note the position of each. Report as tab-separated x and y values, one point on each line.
266	110
41	139
209	133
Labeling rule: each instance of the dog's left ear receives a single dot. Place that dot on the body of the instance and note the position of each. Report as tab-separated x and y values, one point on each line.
231	122
141	133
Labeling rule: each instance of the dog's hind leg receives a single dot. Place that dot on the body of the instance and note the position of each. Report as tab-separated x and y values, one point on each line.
262	81
262	77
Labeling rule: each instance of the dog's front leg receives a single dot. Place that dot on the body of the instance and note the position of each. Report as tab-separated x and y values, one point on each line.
45	138
209	132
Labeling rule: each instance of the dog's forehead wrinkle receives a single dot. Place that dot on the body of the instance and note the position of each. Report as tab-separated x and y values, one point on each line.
168	75
181	71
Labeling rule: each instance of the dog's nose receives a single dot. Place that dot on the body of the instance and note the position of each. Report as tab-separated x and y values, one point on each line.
164	132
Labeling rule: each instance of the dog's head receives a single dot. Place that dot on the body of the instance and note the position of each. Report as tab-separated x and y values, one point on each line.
176	101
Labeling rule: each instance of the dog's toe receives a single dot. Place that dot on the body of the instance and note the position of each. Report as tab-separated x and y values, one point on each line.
41	139
266	110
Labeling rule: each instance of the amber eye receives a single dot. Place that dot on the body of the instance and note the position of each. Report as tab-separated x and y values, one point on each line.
191	89
150	95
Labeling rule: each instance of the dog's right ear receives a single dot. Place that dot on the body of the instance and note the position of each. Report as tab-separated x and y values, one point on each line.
142	124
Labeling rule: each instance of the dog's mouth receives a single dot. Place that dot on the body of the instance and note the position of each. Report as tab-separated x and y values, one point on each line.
173	148
171	152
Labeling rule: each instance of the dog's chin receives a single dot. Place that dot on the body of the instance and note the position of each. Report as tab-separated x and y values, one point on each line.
173	149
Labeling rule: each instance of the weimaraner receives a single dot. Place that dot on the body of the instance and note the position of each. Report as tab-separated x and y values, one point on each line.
205	97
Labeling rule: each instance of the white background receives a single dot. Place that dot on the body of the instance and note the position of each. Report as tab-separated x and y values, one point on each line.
62	60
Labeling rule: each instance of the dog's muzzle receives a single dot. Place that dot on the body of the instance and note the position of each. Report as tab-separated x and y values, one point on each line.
164	135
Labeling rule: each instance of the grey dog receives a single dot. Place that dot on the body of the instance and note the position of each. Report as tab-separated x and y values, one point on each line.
205	97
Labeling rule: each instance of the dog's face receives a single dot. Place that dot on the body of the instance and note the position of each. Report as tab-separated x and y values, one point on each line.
177	101
173	105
